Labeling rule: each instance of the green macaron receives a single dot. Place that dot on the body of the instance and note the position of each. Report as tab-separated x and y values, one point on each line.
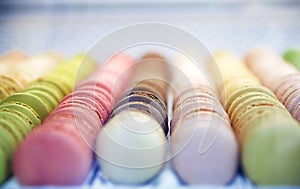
270	154
31	100
29	123
17	127
64	84
293	57
45	97
7	142
55	83
53	91
4	170
24	109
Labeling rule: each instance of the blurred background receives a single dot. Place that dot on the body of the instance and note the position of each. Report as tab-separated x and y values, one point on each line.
73	26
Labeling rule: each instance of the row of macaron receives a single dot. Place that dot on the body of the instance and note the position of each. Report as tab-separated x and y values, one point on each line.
132	146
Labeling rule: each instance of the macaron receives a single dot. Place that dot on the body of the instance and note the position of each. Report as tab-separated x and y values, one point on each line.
50	89
145	98
144	108
11	59
10	82
15	125
237	92
140	116
8	86
204	151
97	98
261	123
293	57
67	161
7	142
260	59
131	148
24	109
200	131
49	100
70	130
56	83
271	152
31	100
91	104
3	168
286	85
242	98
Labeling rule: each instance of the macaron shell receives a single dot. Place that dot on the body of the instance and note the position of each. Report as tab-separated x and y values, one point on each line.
242	98
53	81
260	160
96	98
143	98
250	88
3	92
252	102
33	170
143	108
93	105
45	97
194	97
3	167
288	92
293	100
13	128
253	117
24	109
285	83
7	142
195	143
31	100
138	137
28	122
51	90
9	85
293	57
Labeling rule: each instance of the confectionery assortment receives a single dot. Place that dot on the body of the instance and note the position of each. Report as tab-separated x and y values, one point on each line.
17	70
70	130
267	133
132	147
135	117
21	112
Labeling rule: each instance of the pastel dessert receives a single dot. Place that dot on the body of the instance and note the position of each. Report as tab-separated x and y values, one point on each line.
285	83
62	139
293	57
200	133
268	135
23	111
203	144
10	60
132	146
21	71
59	152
